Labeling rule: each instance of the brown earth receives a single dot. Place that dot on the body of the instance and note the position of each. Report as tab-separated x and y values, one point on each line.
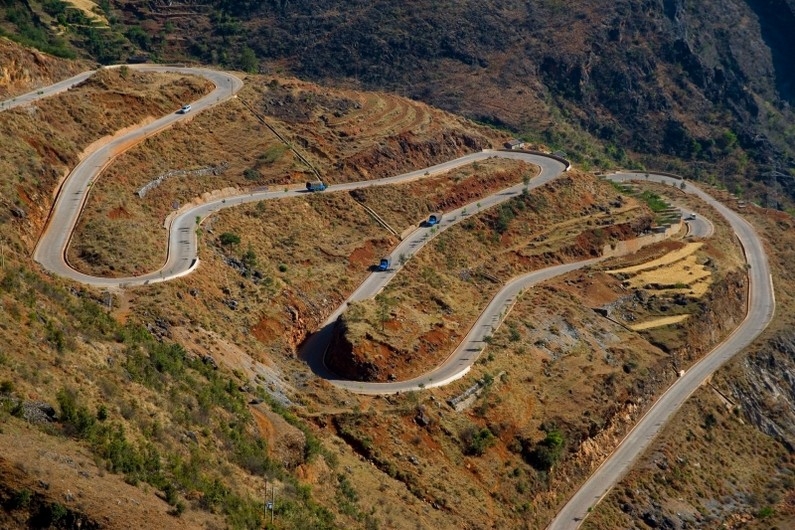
439	294
725	460
43	142
397	135
396	462
54	471
26	69
565	368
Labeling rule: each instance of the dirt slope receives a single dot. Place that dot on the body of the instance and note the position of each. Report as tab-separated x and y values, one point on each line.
25	69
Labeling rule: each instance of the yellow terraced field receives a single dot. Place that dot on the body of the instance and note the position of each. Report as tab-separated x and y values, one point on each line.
669	258
659	322
88	7
685	271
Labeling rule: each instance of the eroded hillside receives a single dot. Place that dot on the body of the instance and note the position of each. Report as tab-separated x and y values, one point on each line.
656	83
191	392
25	69
726	459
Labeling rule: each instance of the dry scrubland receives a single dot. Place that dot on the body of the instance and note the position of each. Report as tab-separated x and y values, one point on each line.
344	135
44	141
726	459
25	69
427	309
180	430
562	384
134	405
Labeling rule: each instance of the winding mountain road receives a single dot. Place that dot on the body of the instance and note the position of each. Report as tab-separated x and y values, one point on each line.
45	92
183	259
761	306
52	246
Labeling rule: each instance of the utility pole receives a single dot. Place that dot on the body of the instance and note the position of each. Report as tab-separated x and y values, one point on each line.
273	501
270	505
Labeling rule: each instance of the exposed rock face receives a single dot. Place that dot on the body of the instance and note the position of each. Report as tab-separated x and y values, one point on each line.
349	363
23	69
767	393
406	152
659	77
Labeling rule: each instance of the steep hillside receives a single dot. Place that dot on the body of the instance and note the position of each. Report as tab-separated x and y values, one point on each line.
726	461
703	88
183	403
25	69
653	83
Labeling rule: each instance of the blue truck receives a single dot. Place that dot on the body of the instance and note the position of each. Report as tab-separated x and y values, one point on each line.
384	264
434	219
315	186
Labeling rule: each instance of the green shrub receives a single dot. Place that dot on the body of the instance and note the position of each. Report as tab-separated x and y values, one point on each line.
228	238
545	454
477	441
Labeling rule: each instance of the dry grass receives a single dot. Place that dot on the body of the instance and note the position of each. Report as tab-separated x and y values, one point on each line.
721	471
659	322
407	205
668	259
231	133
687	275
43	142
438	295
566	362
90	9
710	467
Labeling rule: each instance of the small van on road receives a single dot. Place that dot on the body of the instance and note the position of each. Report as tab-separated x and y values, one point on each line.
185	109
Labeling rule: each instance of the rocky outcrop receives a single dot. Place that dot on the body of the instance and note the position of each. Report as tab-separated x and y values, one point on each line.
350	362
23	70
767	392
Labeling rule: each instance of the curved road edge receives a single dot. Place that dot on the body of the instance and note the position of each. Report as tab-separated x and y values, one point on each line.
761	307
52	246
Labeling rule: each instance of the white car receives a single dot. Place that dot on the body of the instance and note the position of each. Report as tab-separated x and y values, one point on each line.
185	109
691	217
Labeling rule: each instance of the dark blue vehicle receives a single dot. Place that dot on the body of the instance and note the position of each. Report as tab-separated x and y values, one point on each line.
315	186
434	219
385	264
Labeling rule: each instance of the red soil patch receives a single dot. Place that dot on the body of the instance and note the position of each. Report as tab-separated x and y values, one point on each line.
362	256
392	325
24	197
267	330
598	288
264	426
119	213
434	339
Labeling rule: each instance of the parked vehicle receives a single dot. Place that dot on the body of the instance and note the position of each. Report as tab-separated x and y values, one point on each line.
315	186
185	109
384	264
434	219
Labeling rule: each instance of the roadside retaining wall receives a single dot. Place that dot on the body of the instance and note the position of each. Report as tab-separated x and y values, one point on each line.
539	153
201	172
622	248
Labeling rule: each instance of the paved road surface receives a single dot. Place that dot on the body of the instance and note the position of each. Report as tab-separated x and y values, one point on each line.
52	246
461	360
182	259
761	305
700	227
45	92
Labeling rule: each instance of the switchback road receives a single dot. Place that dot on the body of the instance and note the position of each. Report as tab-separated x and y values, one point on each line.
52	246
182	259
761	305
